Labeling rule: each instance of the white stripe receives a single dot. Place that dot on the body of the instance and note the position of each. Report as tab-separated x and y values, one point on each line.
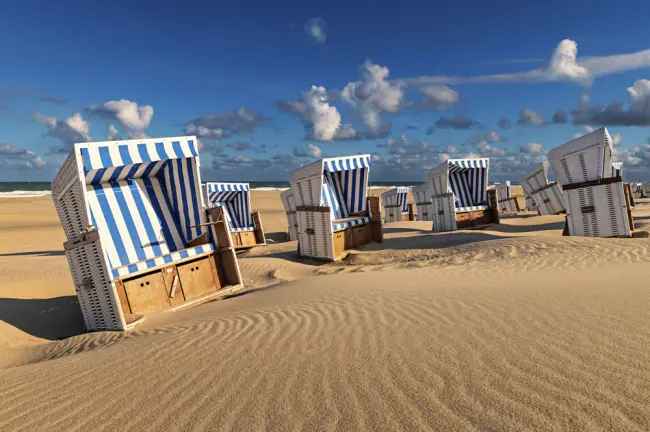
167	215
137	220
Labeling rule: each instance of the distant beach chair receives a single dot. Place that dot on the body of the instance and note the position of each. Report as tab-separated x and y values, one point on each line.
597	204
508	203
460	198
396	205
333	209
138	238
547	196
423	206
245	225
289	204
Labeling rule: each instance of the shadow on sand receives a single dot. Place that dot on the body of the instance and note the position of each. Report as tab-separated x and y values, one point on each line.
35	253
53	319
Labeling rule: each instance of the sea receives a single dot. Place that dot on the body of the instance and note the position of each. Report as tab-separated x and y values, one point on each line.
34	189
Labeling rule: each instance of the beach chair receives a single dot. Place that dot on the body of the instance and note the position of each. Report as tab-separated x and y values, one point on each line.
597	204
138	238
396	205
508	203
422	198
245	225
333	209
289	204
460	196
547	196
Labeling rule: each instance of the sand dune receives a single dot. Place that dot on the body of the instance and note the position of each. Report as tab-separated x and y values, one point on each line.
507	328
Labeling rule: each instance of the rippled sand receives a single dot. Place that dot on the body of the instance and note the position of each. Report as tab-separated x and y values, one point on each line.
509	328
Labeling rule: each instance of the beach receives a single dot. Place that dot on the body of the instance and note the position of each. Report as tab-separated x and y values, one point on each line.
507	328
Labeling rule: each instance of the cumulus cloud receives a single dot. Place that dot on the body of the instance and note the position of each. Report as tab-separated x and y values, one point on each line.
529	117
316	28
564	65
456	122
72	130
616	114
220	126
310	150
134	118
14	157
321	119
533	149
374	95
439	96
113	133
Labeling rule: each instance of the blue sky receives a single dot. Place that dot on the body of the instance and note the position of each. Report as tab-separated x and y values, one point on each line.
411	84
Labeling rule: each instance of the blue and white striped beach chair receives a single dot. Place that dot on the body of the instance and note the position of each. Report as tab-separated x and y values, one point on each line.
332	206
138	236
235	199
395	203
459	194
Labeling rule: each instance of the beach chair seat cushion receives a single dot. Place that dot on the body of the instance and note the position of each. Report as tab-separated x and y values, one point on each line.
241	229
125	270
345	223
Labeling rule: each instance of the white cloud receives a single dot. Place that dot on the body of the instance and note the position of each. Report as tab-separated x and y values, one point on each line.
14	157
439	96
373	95
316	28
134	118
637	114
314	150
113	133
529	117
533	149
324	118
215	127
564	65
69	131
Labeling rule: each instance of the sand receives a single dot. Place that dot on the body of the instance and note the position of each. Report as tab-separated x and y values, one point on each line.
512	327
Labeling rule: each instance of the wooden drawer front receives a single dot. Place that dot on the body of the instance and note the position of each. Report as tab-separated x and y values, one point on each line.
361	235
247	238
147	293
198	278
173	286
339	242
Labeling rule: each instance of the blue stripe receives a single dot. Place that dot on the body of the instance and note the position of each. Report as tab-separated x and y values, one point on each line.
112	226
186	210
148	226
105	156
362	192
177	149
85	157
195	203
355	206
128	221
169	239
144	154
192	146
162	153
126	156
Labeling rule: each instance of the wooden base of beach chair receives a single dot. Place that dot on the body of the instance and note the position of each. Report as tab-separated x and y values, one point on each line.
249	239
475	218
599	208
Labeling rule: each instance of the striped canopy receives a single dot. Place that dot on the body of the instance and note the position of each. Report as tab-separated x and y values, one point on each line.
143	196
467	179
345	184
397	196
236	201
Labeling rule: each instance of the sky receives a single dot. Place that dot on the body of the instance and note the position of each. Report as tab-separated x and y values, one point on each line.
270	86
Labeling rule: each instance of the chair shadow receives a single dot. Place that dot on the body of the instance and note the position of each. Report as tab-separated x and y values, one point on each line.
390	230
526	228
35	253
432	241
52	319
277	237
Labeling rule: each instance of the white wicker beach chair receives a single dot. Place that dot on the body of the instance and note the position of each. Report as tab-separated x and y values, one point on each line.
333	209
245	225
422	197
547	196
596	201
459	194
395	204
289	204
138	238
508	204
